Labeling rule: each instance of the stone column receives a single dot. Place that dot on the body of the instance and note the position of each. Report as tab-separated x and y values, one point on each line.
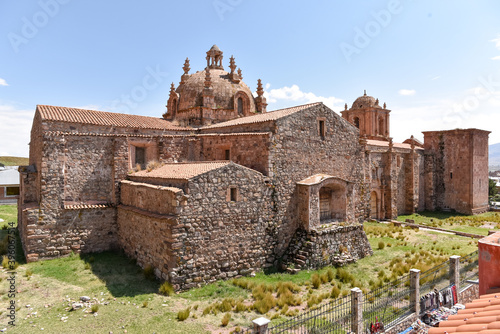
415	291
455	273
260	325
356	310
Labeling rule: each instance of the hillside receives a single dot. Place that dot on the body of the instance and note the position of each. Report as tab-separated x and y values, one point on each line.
494	156
14	161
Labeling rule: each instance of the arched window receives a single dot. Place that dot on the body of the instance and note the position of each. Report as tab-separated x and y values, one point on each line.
356	122
381	127
240	106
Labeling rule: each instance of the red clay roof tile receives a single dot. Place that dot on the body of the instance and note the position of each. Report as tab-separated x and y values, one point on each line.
181	171
94	117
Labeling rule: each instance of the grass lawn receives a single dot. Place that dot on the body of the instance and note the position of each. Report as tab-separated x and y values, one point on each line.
479	224
126	300
9	214
14	161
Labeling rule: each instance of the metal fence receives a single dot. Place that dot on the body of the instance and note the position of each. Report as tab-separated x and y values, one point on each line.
437	277
469	267
387	303
334	317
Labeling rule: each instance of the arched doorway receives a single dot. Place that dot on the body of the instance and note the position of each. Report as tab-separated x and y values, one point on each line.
332	203
374	212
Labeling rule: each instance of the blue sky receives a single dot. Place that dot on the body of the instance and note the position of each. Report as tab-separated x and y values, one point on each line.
435	63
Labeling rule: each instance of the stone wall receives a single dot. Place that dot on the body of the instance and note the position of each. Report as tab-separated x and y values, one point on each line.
468	293
332	244
152	198
49	233
206	236
298	151
457	170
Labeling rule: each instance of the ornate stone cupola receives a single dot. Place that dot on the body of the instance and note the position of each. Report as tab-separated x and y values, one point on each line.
212	95
214	58
369	117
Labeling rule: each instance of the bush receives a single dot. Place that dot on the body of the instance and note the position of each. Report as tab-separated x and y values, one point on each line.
316	281
330	274
166	289
381	245
335	292
264	304
28	273
94	308
240	307
145	304
225	320
183	314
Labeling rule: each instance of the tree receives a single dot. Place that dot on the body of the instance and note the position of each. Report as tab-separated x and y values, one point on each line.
492	188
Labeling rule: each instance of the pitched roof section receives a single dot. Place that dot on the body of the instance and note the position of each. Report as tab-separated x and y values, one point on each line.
9	177
383	143
261	118
94	117
182	171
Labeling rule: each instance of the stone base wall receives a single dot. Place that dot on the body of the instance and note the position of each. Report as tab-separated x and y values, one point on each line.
53	233
333	245
468	294
149	238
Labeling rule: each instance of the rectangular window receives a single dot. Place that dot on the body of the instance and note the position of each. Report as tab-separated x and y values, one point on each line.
140	156
227	155
322	128
12	191
233	194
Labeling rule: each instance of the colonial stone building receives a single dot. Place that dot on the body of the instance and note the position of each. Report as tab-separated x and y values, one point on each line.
219	187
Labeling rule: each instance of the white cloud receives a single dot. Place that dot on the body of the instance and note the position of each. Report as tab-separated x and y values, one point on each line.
296	95
3	82
407	92
436	77
497	42
15	127
496	58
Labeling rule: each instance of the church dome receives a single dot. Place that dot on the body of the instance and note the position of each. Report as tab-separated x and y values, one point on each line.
224	89
365	101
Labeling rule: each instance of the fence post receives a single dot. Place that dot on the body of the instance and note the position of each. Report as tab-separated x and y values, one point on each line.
415	291
455	273
356	310
260	325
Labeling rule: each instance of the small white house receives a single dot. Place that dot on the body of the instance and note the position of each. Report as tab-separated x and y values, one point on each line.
9	185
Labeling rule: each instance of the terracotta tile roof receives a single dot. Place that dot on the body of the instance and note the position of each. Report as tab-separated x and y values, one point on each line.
480	316
182	171
383	143
260	118
94	117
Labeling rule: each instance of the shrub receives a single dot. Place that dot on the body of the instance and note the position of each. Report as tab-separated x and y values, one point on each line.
145	304
166	289
381	245
28	273
335	292
94	308
324	277
225	320
87	266
264	304
183	314
330	274
316	281
240	307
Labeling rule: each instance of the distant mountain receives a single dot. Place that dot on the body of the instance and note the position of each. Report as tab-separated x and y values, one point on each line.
494	156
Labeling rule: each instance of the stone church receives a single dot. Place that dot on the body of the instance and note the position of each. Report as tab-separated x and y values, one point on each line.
220	187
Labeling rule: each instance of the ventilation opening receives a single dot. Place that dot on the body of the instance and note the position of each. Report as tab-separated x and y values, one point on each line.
227	155
322	129
233	194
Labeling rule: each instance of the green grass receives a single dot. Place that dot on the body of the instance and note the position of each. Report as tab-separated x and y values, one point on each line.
456	222
9	214
127	299
14	161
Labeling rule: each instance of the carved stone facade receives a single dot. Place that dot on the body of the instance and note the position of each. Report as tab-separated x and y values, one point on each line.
234	188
